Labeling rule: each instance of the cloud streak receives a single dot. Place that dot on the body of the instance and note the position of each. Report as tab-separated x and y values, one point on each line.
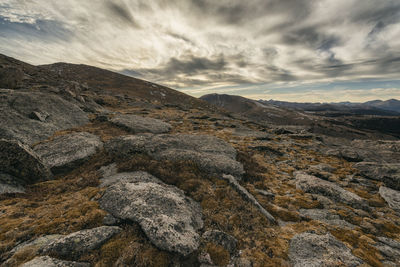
193	45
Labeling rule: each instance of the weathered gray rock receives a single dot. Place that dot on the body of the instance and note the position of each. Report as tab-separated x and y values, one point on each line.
323	167
108	170
314	185
348	154
35	245
248	197
46	261
383	151
210	153
326	217
10	184
389	174
39	242
31	116
138	124
169	219
222	239
312	250
22	165
76	244
111	220
392	197
67	152
390	250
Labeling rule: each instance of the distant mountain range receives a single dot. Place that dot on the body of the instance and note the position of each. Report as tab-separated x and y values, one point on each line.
346	119
389	107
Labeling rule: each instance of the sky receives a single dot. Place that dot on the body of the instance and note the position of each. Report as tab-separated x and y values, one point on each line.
292	50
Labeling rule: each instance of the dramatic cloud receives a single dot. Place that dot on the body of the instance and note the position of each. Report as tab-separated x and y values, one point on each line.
257	48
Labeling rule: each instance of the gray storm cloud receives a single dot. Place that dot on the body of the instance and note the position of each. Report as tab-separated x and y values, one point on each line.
206	43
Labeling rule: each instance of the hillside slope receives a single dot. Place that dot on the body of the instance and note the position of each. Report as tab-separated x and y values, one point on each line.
118	84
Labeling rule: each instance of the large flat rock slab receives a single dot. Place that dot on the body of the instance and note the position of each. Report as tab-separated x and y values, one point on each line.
170	219
76	244
138	124
392	197
20	165
31	117
66	152
211	154
388	173
314	185
312	250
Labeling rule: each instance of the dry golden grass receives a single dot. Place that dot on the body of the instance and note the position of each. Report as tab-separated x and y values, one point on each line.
219	255
61	206
129	248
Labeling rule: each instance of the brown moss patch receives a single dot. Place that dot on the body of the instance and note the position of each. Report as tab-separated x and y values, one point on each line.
253	171
105	130
219	255
129	248
60	206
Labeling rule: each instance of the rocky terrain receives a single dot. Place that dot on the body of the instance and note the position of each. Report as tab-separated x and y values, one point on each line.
99	169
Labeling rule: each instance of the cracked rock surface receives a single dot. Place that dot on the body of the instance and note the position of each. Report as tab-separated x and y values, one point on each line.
169	219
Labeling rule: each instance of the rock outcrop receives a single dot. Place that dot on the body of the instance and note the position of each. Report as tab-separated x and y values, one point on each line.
348	154
382	151
31	117
326	217
169	219
76	244
66	152
308	249
20	166
387	173
10	184
137	124
314	185
390	250
392	197
211	154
